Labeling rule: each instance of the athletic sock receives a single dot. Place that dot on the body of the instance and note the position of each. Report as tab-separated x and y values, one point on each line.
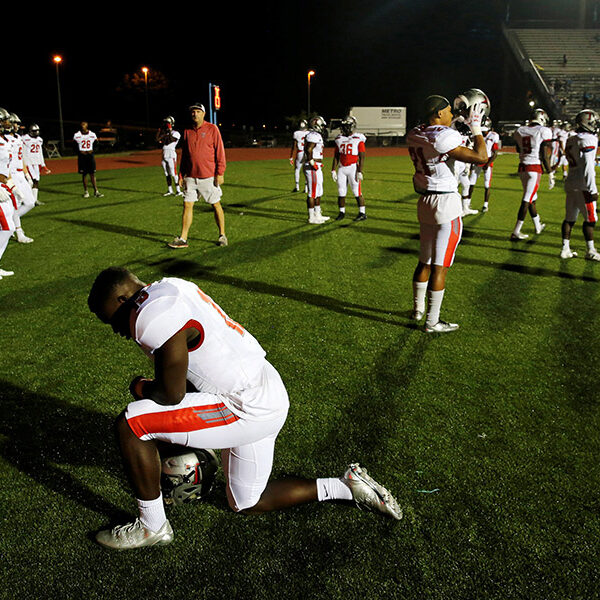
537	222
566	244
434	304
419	293
333	488
311	213
590	246
318	210
342	209
362	210
518	226
152	513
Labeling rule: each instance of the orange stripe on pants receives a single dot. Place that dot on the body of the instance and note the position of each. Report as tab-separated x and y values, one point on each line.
455	235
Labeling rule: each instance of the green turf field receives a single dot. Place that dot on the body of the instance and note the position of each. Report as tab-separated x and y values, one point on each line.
487	436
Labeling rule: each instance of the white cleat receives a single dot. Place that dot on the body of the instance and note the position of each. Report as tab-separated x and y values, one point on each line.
318	220
542	227
4	273
86	194
180	193
23	239
417	315
470	211
168	194
485	208
566	253
97	194
369	494
595	256
440	327
515	237
134	535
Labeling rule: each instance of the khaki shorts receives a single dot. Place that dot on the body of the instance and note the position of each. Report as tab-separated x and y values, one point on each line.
205	188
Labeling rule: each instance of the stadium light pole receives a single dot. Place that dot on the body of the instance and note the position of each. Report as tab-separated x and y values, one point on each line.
310	74
145	72
57	61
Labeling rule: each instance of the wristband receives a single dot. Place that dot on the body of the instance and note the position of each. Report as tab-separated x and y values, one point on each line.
476	130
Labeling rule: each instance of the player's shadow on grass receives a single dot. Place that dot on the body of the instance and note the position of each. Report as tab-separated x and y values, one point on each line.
152	236
185	268
38	433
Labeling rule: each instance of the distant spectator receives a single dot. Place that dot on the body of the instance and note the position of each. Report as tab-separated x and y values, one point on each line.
564	60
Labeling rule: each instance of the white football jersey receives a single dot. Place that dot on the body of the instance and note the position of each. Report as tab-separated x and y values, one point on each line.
16	158
226	359
349	146
581	153
529	138
492	142
313	137
33	149
299	137
5	152
169	150
428	146
85	141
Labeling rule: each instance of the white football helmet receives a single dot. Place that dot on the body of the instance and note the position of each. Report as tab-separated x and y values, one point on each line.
540	116
5	125
463	102
170	120
588	120
187	477
303	124
318	124
15	122
34	130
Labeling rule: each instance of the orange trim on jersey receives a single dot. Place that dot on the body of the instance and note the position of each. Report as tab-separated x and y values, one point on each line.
453	240
3	221
228	320
192	324
181	420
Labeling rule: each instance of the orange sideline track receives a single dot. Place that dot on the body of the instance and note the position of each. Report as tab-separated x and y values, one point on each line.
152	158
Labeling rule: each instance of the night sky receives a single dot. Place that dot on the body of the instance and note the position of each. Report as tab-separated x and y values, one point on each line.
364	53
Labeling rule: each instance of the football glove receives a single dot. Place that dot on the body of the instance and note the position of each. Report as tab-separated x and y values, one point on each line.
359	176
334	175
475	117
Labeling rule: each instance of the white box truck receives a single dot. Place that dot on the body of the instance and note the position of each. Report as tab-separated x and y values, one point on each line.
375	121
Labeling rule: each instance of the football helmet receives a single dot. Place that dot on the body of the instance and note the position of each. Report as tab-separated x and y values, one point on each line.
588	120
318	124
463	102
303	124
169	120
187	477
540	116
486	124
15	122
348	125
4	120
34	130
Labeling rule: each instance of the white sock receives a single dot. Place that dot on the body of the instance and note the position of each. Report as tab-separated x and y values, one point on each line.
318	210
518	226
170	189
342	209
566	244
434	304
35	193
311	213
152	513
333	488
419	292
590	246
362	209
465	203
537	223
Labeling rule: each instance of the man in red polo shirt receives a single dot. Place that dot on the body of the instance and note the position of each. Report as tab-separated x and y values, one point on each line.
201	173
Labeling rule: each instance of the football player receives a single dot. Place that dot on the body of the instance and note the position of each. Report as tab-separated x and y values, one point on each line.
8	201
169	138
212	388
492	144
439	207
33	145
85	142
533	143
297	153
462	170
313	169
22	189
580	185
557	153
347	167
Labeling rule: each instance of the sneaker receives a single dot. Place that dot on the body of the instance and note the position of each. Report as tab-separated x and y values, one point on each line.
97	194
485	208
369	494
317	220
178	243
340	216
23	239
469	211
515	237
39	203
441	327
86	194
566	253
222	241
417	315
361	217
589	256
542	227
4	273
323	218
179	193
296	189
134	535
168	194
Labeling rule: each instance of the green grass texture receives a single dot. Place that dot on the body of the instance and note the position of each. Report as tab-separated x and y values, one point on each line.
487	436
